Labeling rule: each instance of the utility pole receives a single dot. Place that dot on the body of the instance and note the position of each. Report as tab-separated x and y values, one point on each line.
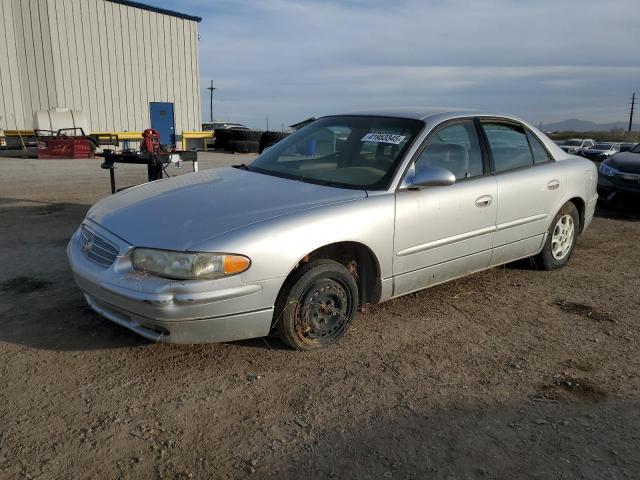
633	104
267	119
211	88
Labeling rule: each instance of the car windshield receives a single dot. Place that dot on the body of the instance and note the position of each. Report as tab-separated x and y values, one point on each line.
360	152
602	146
636	149
572	143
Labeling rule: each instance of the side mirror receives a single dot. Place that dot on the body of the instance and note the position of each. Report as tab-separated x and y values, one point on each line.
428	176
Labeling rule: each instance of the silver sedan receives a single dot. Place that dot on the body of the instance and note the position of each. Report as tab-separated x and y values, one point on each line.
351	209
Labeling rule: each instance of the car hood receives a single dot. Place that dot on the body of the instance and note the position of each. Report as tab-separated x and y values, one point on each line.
625	162
181	212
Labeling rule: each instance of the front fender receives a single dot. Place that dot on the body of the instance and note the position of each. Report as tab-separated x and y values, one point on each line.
276	245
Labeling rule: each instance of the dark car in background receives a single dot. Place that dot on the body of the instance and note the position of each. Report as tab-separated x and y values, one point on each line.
619	175
601	151
626	146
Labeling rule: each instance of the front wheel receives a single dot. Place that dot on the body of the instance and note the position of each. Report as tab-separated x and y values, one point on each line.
316	306
561	239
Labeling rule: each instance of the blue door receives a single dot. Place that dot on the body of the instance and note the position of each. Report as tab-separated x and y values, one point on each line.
162	119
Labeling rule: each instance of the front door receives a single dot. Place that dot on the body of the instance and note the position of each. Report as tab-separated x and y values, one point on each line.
445	232
163	120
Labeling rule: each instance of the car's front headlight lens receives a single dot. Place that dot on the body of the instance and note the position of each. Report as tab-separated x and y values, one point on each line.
606	170
188	265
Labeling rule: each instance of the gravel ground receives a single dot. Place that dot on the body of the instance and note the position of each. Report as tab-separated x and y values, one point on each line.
510	373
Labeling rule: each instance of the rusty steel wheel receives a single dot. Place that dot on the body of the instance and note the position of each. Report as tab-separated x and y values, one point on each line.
318	306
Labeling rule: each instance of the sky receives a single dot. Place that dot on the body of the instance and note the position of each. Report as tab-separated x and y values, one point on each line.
542	60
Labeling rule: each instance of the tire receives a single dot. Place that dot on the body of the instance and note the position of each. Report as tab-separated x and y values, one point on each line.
243	146
245	135
221	138
561	239
316	307
269	139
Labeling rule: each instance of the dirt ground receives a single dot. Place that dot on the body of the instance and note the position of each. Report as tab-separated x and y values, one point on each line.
511	373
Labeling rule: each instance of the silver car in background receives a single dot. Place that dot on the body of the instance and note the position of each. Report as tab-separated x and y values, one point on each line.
601	151
577	145
351	209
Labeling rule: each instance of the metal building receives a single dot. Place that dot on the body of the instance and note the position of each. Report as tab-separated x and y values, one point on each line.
127	65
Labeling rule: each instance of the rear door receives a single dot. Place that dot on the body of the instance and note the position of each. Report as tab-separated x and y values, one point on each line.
530	187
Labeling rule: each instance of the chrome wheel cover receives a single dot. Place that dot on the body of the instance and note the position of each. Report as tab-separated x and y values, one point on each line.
562	237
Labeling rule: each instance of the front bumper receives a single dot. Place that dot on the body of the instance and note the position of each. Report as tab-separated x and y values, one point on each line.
620	184
172	311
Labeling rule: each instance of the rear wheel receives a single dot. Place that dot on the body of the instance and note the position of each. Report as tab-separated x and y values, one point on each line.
561	239
317	306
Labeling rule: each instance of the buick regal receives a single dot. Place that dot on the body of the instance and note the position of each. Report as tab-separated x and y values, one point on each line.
349	210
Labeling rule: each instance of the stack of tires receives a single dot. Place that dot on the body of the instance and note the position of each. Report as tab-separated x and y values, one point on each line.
271	138
221	138
244	141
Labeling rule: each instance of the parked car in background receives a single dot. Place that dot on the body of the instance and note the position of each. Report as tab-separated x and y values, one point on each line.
625	147
576	145
601	151
620	175
208	126
349	210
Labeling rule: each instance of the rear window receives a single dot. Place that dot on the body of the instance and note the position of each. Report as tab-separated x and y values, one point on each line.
509	146
540	154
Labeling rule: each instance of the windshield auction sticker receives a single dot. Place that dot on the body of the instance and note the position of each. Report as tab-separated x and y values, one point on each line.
383	138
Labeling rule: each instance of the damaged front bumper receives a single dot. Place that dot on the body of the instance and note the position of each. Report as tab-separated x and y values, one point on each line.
173	311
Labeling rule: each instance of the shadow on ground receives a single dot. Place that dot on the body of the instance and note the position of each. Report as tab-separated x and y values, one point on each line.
619	210
564	439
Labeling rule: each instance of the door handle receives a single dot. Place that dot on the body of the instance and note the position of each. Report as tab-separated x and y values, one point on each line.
553	185
484	201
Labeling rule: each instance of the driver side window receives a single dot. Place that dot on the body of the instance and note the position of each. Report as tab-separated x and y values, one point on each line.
455	147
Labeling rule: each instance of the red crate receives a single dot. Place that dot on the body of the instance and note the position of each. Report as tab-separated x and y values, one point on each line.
65	147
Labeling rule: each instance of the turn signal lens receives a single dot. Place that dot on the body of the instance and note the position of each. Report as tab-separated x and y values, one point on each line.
235	264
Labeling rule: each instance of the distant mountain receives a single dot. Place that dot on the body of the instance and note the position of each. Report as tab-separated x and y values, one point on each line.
576	125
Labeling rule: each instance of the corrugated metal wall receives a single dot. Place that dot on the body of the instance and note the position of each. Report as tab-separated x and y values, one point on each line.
107	59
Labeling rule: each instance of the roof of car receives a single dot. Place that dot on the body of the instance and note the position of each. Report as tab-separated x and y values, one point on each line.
430	113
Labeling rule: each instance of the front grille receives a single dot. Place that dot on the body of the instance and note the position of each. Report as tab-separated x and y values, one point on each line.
97	248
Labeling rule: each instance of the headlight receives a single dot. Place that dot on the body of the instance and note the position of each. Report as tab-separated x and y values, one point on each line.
187	265
606	170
